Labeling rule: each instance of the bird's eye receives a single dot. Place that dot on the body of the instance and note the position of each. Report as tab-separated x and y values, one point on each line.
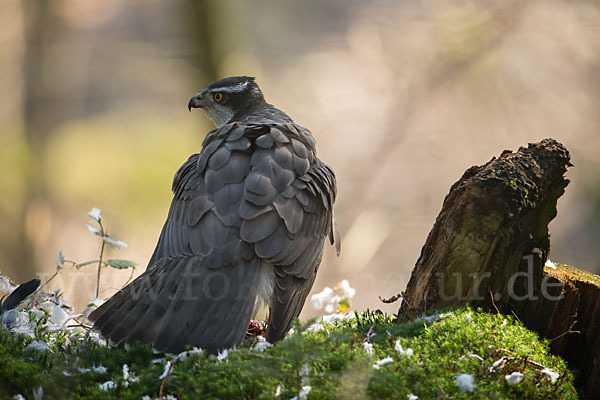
218	97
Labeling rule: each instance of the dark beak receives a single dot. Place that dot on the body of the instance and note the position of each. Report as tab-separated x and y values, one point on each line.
194	103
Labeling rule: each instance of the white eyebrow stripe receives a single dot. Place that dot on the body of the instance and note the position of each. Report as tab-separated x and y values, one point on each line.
240	87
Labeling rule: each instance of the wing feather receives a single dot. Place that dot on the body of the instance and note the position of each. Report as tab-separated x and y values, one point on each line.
255	193
200	285
288	213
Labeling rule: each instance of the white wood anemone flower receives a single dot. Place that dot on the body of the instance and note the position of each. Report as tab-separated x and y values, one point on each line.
465	382
514	378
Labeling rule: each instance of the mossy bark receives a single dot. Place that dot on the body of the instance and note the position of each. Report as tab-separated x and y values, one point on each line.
493	225
488	248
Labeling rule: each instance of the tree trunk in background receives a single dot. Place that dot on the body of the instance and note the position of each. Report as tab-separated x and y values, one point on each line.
219	29
217	32
488	248
38	125
199	22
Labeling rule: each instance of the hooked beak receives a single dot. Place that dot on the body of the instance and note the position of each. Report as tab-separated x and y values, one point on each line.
195	102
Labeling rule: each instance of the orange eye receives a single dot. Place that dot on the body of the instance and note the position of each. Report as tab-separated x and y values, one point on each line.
218	97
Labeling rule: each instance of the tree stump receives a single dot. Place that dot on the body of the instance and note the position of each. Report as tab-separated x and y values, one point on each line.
493	225
488	248
570	318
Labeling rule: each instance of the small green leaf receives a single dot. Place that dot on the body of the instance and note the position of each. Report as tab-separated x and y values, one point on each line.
121	264
83	264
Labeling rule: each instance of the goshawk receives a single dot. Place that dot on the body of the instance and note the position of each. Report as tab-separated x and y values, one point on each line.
247	225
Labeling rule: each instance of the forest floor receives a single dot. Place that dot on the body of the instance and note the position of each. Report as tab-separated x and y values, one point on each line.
459	354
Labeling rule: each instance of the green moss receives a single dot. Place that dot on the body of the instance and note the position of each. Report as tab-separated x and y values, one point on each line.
566	272
332	360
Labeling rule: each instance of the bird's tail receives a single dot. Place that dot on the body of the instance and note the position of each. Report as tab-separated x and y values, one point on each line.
182	301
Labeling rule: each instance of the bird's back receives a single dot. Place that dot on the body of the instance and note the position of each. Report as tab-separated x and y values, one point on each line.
256	200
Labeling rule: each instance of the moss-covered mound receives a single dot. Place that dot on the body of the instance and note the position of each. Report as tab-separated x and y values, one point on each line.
460	354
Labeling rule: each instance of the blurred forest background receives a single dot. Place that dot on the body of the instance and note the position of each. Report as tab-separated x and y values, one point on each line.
402	97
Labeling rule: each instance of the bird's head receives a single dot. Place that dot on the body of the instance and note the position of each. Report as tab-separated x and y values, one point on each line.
227	98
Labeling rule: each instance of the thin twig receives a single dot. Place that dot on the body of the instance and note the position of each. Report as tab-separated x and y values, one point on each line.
442	394
392	299
162	384
103	234
513	313
79	325
493	302
369	334
568	331
526	359
130	277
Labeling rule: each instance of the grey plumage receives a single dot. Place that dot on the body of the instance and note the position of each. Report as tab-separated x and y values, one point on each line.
255	197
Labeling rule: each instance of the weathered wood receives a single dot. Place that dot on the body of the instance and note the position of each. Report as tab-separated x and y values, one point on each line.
488	248
571	321
493	225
